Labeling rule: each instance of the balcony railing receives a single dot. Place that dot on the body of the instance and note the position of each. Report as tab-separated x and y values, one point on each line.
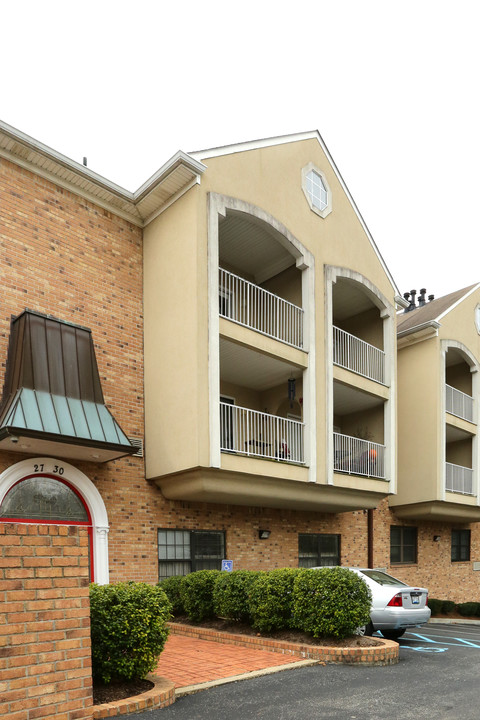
248	432
458	403
258	309
358	457
358	356
458	479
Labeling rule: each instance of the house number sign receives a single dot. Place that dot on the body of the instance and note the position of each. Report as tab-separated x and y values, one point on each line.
46	467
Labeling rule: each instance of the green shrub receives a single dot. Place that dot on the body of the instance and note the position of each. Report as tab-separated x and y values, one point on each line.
231	594
196	591
128	629
271	599
467	609
436	606
330	602
448	606
171	588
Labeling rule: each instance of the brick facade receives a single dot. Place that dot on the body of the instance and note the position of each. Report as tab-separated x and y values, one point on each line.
45	656
66	256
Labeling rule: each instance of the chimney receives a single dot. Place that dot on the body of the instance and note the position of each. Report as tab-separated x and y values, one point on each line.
421	297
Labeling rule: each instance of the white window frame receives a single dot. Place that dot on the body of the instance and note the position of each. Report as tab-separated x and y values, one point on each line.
306	171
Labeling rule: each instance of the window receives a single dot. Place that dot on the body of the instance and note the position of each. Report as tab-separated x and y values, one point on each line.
183	551
316	189
460	545
403	544
318	550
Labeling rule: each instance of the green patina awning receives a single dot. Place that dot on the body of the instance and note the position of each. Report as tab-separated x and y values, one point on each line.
52	395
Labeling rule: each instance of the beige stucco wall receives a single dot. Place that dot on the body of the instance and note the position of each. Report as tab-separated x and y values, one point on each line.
176	312
418	402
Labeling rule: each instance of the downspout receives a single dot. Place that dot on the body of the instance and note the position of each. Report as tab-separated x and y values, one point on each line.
370	538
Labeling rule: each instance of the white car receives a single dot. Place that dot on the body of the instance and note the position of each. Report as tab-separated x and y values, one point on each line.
395	605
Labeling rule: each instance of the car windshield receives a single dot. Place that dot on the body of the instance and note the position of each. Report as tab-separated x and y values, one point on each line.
382	578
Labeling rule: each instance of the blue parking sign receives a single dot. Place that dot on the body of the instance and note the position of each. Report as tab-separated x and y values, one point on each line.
227	565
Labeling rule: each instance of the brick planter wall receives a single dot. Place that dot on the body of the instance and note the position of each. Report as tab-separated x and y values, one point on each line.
45	657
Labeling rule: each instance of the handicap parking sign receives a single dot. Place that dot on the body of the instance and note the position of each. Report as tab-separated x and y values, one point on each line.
227	565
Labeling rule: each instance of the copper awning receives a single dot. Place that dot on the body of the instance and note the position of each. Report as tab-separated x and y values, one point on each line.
52	400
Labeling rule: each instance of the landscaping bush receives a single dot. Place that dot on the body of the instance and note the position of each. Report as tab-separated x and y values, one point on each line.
271	599
467	609
435	605
231	594
196	591
128	629
171	588
330	602
448	606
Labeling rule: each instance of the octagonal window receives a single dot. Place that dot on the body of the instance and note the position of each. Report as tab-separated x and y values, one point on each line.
316	190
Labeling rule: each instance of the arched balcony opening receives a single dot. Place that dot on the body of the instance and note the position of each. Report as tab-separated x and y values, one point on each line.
260	286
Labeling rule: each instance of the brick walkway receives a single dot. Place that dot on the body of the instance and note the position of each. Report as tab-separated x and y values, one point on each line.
188	661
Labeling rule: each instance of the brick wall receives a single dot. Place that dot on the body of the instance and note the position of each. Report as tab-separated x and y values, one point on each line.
70	258
45	655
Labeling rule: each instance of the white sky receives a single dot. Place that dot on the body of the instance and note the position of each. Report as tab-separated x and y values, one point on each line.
393	88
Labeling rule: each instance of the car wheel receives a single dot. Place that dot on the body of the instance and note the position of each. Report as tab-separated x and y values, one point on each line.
392	634
365	629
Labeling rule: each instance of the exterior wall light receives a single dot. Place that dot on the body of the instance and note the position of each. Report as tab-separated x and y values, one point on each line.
264	534
436	538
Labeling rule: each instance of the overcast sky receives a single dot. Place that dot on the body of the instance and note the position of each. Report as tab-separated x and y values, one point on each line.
392	87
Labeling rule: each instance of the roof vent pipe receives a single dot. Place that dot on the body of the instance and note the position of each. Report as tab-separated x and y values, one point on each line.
407	298
421	297
413	305
431	297
85	161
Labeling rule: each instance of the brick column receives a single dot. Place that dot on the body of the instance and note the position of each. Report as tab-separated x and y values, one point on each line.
45	659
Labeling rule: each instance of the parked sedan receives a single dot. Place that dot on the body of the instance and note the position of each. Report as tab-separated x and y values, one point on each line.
395	605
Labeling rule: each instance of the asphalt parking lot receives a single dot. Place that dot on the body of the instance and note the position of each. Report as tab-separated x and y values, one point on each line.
437	677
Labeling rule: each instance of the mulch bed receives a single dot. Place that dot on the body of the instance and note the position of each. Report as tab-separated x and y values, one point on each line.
287	635
119	690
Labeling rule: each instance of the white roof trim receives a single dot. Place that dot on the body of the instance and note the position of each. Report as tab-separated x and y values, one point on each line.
460	300
297	137
134	208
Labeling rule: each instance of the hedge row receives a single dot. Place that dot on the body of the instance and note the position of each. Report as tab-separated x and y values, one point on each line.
444	607
326	602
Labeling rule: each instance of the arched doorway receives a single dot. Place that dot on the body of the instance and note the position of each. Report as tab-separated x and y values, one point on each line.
49	491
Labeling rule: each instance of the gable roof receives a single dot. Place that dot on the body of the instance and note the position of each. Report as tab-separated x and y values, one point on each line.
202	155
432	312
172	180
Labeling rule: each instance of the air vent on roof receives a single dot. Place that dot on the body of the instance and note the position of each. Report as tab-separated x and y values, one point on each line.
137	443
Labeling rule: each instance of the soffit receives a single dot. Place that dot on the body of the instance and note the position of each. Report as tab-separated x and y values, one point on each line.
242	366
348	399
252	248
173	178
348	295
